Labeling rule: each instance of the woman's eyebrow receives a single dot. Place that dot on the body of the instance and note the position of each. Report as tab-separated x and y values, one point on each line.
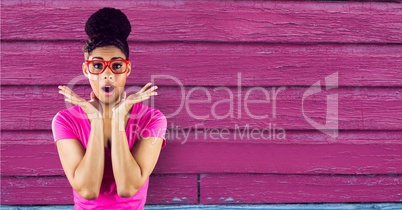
115	58
100	58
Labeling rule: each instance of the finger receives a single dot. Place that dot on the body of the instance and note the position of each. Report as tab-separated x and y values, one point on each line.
68	91
139	98
125	95
151	92
135	101
75	102
69	94
73	94
63	92
92	95
152	89
145	87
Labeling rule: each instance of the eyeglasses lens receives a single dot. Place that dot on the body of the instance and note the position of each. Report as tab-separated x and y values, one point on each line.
116	66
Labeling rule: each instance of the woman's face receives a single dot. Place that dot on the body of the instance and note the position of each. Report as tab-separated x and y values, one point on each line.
107	86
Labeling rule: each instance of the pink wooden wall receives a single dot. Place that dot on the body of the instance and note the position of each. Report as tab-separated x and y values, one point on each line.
208	44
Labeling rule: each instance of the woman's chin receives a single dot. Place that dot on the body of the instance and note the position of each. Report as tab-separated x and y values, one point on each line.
109	100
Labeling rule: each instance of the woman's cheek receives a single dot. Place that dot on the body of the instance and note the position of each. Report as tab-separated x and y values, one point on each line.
121	82
95	86
93	77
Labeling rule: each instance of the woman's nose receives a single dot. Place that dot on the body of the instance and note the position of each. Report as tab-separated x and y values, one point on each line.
108	73
109	77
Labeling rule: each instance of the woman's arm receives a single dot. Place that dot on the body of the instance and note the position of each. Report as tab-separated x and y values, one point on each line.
84	169
132	168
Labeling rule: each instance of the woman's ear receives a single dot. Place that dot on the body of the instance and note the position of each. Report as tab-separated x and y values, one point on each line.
129	68
85	69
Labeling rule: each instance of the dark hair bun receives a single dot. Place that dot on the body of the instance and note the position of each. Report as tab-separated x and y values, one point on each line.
108	22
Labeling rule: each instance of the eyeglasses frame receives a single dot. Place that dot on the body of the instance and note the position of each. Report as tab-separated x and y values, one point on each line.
107	64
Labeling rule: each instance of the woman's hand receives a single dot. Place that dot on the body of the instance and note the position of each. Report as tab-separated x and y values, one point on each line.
87	106
126	103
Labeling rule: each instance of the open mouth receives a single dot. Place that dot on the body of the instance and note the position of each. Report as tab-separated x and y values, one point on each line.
108	89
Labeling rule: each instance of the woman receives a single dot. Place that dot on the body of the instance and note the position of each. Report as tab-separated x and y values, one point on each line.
108	146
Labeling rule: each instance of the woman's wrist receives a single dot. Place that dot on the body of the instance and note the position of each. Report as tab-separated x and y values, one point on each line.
97	122
94	116
119	117
118	123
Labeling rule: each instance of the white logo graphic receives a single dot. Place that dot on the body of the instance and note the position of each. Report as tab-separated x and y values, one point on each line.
331	124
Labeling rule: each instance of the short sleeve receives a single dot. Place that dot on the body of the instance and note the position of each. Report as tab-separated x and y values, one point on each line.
62	127
156	126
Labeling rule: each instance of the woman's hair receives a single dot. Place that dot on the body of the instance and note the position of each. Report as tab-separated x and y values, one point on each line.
107	27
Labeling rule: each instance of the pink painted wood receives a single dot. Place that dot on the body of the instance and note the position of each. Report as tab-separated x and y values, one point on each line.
359	108
290	44
213	64
168	189
302	152
228	21
267	188
36	190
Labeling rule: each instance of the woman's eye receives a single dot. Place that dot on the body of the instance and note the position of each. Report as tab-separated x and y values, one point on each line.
97	65
117	66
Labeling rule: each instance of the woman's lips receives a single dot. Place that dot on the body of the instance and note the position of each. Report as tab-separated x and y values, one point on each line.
108	89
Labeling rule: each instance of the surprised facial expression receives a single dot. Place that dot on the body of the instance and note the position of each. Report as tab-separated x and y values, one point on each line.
107	86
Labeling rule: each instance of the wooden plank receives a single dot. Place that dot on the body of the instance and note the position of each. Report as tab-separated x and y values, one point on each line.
282	108
313	206
212	64
36	190
173	189
353	152
264	188
163	189
231	21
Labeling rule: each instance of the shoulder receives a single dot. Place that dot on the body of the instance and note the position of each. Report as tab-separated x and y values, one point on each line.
143	112
66	123
70	114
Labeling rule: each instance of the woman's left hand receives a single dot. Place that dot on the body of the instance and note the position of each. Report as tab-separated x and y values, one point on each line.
126	103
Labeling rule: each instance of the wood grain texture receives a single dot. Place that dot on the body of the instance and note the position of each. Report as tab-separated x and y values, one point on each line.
36	190
212	64
28	107
164	189
224	21
246	188
313	206
223	188
173	189
34	154
207	45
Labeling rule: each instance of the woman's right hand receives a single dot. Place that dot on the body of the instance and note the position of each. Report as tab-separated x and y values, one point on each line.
89	107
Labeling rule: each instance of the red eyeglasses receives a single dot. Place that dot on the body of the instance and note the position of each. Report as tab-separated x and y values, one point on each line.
99	66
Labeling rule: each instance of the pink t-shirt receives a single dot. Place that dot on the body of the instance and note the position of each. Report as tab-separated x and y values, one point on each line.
72	123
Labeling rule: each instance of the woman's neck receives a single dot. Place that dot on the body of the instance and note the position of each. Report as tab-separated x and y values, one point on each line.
108	108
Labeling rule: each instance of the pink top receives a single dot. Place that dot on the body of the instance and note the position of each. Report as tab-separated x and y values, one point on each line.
72	123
